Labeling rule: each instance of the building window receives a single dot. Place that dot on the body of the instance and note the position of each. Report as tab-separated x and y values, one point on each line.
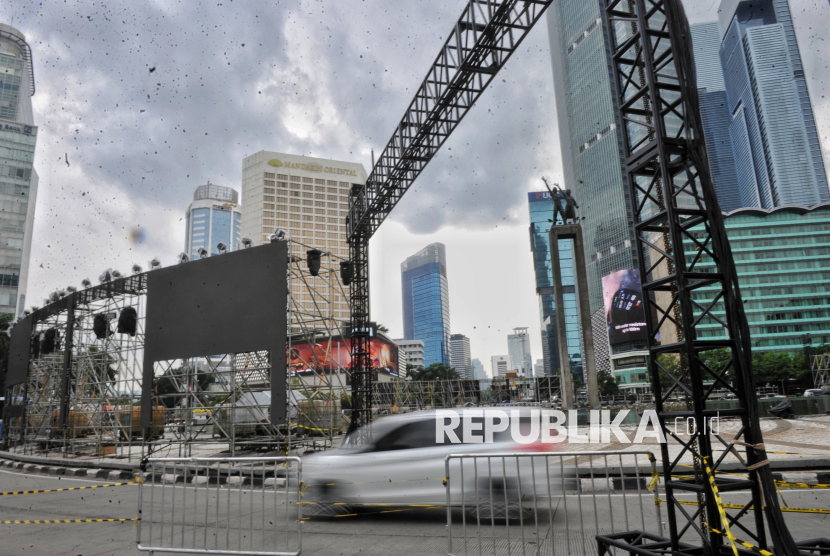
269	176
308	180
296	179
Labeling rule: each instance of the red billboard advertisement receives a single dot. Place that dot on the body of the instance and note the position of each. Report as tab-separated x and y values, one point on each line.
328	356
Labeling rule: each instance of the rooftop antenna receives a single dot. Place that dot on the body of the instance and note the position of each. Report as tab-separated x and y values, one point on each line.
373	159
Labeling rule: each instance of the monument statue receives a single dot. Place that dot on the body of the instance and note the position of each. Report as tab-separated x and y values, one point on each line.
568	212
570	206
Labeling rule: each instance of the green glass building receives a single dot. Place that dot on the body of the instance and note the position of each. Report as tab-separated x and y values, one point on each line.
783	262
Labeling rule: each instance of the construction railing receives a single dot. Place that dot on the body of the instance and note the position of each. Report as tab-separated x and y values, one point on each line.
548	503
221	506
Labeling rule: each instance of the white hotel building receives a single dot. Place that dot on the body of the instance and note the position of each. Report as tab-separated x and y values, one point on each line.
307	197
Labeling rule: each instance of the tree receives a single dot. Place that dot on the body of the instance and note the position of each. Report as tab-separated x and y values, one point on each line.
436	371
607	384
382	328
167	385
5	320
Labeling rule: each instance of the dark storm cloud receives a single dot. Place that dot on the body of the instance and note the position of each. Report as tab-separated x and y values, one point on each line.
327	78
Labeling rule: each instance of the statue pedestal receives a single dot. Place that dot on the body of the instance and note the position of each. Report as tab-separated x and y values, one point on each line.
573	232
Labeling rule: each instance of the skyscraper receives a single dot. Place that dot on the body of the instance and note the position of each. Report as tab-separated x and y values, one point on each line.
518	346
540	205
426	303
213	218
773	131
591	147
460	355
308	198
18	179
714	112
478	370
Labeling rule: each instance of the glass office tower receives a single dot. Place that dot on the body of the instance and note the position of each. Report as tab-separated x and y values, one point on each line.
714	112
781	256
591	147
773	131
18	178
213	218
426	303
541	210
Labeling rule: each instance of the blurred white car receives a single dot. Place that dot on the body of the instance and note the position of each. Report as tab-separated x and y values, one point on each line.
404	465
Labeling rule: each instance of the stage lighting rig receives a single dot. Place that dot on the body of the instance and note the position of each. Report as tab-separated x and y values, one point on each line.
86	282
202	252
106	276
155	263
71	289
136	269
222	248
183	258
116	275
247	242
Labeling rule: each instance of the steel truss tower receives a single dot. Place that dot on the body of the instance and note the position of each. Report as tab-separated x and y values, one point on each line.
479	45
678	224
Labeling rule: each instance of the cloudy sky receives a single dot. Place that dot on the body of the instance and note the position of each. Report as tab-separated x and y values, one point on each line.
324	78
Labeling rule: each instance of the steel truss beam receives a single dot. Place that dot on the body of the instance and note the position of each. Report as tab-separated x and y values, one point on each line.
485	36
678	223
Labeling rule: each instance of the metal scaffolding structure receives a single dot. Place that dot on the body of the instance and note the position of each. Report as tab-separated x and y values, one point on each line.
82	393
674	204
479	45
401	396
820	366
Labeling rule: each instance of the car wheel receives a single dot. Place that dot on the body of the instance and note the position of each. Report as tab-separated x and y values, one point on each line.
498	500
325	509
498	511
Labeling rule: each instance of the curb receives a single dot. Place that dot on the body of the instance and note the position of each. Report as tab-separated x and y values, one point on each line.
106	474
234	480
65	462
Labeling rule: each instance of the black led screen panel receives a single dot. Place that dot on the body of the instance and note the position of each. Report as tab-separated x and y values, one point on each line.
229	303
19	345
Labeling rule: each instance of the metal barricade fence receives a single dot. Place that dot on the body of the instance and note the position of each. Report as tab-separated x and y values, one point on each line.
548	503
245	505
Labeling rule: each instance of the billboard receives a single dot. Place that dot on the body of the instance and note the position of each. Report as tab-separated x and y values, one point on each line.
305	357
624	307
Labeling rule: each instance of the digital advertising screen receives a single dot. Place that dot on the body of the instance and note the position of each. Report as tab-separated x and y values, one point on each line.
624	307
328	357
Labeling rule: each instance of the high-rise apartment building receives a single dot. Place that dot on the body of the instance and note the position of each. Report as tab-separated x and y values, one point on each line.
591	146
714	113
501	365
18	179
773	131
213	218
426	303
460	355
518	346
541	210
307	197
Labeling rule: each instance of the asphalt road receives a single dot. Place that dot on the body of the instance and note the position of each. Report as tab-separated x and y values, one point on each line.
381	531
